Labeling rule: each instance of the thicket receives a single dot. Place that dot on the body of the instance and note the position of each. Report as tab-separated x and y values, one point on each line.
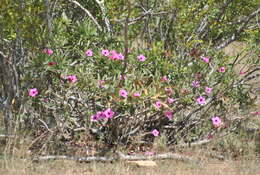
124	72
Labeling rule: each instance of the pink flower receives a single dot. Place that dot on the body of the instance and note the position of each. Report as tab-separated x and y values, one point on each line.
123	93
52	63
216	121
196	84
201	100
141	58
158	104
48	51
89	53
113	55
100	115
149	153
205	59
101	83
155	132
208	90
242	72
122	77
137	94
120	56
256	113
165	78
168	90
105	52
94	118
209	136
222	69
33	92
109	113
71	78
168	114
170	100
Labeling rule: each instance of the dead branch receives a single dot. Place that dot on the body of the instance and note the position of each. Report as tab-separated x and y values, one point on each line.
88	13
6	136
169	155
236	33
119	156
103	10
200	142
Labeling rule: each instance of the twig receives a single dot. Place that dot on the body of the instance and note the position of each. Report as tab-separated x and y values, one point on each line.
156	157
103	10
119	156
7	136
88	13
200	142
126	47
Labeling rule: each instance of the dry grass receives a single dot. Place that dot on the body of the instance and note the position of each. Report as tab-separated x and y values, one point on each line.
168	167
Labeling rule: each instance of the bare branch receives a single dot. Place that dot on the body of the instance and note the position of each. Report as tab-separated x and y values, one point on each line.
234	36
103	9
119	156
88	13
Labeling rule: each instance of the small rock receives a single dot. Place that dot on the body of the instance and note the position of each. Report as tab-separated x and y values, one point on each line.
143	163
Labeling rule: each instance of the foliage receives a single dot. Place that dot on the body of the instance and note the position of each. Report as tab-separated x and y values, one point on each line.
183	59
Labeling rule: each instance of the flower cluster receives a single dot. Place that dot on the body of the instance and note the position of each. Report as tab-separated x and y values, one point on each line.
106	114
113	55
71	78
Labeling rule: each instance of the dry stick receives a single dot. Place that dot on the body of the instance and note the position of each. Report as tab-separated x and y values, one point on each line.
6	136
126	35
119	156
88	13
238	31
103	10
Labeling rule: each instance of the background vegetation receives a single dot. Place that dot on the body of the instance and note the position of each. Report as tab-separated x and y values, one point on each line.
58	47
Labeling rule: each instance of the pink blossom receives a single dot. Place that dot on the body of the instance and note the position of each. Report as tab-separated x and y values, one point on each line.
137	94
48	51
141	58
170	100
109	113
168	90
196	84
101	83
149	153
94	118
72	78
209	136
155	132
113	55
33	92
165	78
242	72
208	90
105	52
216	121
120	56
168	114
122	77
89	52
222	69
205	59
123	93
100	115
52	63
201	100
256	113
158	104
